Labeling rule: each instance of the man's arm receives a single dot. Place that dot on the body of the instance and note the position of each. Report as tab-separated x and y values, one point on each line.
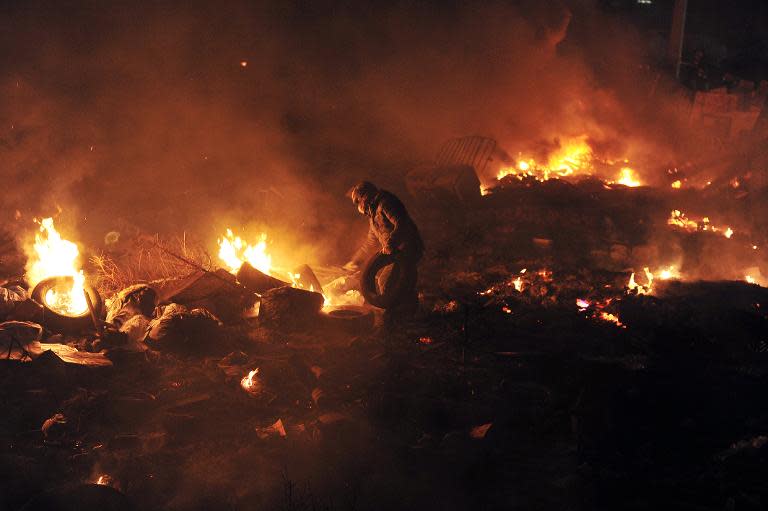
362	253
394	210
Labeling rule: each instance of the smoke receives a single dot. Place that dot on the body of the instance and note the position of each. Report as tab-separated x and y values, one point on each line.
261	116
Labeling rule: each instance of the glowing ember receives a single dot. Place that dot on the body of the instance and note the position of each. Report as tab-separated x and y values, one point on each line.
233	251
426	340
582	304
56	257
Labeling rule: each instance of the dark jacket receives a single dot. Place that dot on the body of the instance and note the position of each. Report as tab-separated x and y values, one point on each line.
390	230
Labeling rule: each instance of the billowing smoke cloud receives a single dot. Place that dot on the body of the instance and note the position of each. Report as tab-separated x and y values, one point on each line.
197	117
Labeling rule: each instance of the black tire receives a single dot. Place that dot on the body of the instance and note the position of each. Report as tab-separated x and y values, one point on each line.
350	318
60	323
395	283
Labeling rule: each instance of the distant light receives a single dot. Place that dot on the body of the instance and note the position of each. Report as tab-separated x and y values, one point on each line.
243	63
647	2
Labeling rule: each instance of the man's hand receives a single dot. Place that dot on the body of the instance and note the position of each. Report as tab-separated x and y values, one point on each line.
351	266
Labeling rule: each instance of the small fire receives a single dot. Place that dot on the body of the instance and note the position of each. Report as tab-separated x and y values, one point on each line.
750	279
234	251
518	282
105	480
611	318
56	257
595	310
251	383
678	219
670	272
627	177
677	184
641	289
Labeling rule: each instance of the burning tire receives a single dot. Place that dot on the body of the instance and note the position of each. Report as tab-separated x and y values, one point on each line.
60	322
382	298
352	318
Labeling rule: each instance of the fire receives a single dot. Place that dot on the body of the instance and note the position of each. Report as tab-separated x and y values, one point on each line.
611	318
573	157
56	257
750	279
641	289
670	272
233	251
627	177
678	219
595	310
518	282
677	184
105	480
251	383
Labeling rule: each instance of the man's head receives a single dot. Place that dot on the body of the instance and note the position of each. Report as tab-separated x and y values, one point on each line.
362	194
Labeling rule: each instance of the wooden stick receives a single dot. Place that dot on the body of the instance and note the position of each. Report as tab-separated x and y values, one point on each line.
92	310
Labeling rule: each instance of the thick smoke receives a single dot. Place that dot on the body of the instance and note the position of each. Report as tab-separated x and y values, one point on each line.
194	118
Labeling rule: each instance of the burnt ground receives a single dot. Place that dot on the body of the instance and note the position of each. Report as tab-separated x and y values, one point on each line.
491	398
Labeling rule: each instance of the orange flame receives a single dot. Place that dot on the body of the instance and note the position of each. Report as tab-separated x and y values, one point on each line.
678	219
233	252
250	383
54	256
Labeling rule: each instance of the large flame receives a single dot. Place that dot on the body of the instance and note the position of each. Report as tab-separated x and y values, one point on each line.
54	256
233	251
573	157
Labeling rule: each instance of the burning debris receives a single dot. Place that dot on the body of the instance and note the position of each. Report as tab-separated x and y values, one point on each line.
54	256
589	304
